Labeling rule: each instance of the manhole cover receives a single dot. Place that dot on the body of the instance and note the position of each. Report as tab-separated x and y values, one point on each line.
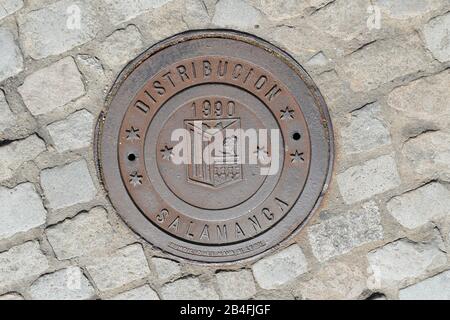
215	146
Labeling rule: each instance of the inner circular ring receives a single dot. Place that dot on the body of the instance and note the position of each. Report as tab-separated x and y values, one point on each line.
257	196
220	177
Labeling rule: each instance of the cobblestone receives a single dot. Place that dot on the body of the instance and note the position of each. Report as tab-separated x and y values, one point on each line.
9	7
280	268
190	289
405	10
124	266
166	269
399	57
58	27
7	118
86	233
15	154
340	234
52	87
12	60
434	288
22	210
75	132
417	207
66	284
429	154
425	98
404	260
20	263
236	285
336	281
369	179
366	130
120	11
60	193
235	13
121	47
141	293
437	36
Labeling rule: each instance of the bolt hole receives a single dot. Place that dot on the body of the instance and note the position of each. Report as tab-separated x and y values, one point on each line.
132	157
296	136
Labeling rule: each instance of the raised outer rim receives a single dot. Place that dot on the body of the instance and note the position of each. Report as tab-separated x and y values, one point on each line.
250	39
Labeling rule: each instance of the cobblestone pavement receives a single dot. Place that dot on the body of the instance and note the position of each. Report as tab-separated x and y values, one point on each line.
384	228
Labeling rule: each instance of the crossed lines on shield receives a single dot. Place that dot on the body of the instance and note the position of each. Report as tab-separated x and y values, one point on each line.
225	167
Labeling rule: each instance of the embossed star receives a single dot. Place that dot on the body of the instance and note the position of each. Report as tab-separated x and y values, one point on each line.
135	179
167	153
133	134
297	157
287	114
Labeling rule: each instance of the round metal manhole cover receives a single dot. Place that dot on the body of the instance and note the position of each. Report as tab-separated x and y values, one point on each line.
216	146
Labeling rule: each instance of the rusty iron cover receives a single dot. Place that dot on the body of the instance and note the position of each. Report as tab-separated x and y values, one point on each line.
250	193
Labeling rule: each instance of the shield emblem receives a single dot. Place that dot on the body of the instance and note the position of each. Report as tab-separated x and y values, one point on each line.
224	168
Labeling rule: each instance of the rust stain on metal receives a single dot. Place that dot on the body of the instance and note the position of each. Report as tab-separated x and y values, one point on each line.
214	211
